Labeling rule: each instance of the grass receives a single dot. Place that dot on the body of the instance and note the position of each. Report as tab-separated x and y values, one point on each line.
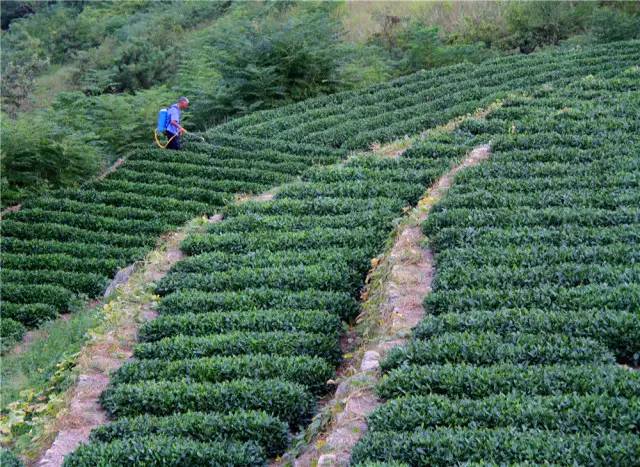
32	368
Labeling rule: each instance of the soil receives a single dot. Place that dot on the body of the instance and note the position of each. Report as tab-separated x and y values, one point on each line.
410	274
108	352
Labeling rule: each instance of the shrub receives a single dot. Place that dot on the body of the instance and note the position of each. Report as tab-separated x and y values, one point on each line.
312	372
235	343
287	401
463	380
445	445
620	330
265	430
566	413
10	332
202	324
489	348
163	451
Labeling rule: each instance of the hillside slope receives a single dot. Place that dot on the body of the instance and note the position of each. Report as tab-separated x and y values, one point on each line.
249	324
535	313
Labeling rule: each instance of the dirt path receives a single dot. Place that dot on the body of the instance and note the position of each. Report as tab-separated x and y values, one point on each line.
392	307
111	346
133	304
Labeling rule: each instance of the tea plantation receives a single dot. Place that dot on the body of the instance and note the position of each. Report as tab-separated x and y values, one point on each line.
535	306
536	302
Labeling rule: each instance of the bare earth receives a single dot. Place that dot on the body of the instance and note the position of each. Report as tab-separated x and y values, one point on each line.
108	352
411	271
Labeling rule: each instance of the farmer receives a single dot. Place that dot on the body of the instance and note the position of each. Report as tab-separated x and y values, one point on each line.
174	130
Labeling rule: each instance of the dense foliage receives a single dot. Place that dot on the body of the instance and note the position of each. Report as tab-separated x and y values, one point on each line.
71	242
91	88
249	324
536	296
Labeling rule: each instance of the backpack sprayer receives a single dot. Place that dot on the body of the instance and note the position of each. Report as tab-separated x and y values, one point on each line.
164	119
163	122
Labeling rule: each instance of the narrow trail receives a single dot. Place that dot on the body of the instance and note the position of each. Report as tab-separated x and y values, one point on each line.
393	307
134	303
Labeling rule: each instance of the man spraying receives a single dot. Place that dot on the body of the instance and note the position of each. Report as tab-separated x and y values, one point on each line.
174	130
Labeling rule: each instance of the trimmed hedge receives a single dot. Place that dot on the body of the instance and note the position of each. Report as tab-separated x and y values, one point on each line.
312	372
59	297
567	413
339	303
236	343
278	241
215	261
75	249
202	324
78	282
468	381
446	446
287	401
11	332
320	276
61	262
265	430
620	330
165	451
490	348
29	314
615	297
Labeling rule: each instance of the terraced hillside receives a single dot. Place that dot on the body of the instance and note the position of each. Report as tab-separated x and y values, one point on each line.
536	306
72	241
249	325
66	246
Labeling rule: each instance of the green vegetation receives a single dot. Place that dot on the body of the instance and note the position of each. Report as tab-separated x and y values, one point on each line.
528	313
77	97
533	245
32	368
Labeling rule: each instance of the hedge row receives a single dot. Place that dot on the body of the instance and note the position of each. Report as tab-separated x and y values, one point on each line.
275	241
11	331
265	430
620	330
538	255
87	234
252	222
567	413
83	283
621	297
568	236
219	261
60	262
94	223
319	276
536	290
201	324
236	343
288	401
75	249
563	275
166	451
312	372
486	348
443	446
339	303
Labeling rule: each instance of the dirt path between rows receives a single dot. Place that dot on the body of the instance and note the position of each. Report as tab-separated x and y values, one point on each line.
393	306
134	303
